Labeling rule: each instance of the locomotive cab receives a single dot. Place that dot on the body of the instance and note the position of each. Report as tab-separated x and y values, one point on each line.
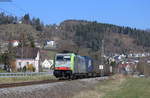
63	65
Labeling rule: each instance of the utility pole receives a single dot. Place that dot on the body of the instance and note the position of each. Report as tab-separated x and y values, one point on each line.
0	47
102	59
102	52
22	49
22	45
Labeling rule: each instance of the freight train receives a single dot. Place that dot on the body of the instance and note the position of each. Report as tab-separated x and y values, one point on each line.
72	66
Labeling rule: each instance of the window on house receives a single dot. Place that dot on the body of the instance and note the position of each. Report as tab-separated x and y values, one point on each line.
27	63
20	63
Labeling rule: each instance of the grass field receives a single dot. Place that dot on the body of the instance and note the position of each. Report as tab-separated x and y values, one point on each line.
120	87
2	71
26	78
131	88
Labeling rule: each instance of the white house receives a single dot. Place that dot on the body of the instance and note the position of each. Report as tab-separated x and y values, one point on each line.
130	55
14	43
38	45
47	63
26	56
50	43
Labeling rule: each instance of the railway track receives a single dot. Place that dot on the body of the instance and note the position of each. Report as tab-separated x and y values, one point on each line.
9	85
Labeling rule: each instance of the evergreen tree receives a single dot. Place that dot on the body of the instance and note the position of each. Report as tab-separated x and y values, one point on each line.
26	19
37	24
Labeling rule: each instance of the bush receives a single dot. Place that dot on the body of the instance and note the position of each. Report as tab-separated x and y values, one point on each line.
113	63
2	71
24	68
13	65
30	68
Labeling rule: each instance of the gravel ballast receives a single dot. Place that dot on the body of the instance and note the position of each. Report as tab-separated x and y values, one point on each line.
51	90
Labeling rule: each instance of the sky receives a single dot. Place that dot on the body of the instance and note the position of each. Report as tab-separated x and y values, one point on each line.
132	13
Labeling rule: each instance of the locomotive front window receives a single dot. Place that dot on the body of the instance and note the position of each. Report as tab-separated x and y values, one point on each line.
63	58
60	58
67	58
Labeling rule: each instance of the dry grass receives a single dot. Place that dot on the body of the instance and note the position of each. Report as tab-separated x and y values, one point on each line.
131	88
26	78
102	88
88	94
119	86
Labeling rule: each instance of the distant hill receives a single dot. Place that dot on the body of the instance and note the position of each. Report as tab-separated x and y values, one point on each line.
117	39
14	31
80	36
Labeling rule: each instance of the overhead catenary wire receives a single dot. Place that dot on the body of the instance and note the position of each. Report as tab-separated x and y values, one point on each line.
18	7
5	11
14	6
21	9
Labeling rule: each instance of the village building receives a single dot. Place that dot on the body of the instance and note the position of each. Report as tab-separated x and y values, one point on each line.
46	60
27	56
47	64
14	43
38	45
50	44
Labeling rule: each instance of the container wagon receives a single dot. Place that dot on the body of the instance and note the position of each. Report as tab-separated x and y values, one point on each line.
89	66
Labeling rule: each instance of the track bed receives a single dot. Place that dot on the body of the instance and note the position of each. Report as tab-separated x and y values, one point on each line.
8	85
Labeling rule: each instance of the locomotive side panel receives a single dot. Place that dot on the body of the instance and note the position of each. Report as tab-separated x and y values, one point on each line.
80	65
89	64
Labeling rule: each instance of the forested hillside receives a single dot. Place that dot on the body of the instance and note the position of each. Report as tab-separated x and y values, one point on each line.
76	35
116	38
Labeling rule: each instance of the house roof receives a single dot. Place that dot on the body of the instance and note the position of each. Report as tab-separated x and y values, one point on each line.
26	52
44	55
14	41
